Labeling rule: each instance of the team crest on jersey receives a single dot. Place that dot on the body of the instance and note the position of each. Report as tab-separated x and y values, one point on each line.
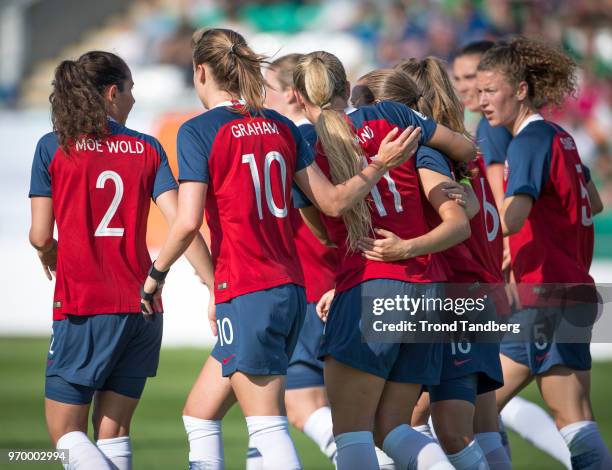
57	304
568	143
222	285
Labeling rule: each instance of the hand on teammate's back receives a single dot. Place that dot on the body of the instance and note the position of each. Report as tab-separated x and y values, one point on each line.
393	152
48	259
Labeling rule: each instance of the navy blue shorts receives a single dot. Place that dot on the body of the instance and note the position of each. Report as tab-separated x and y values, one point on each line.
257	332
459	388
305	368
419	363
114	352
542	354
463	358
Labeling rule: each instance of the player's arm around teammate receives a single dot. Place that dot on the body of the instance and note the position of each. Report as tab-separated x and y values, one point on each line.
257	285
545	178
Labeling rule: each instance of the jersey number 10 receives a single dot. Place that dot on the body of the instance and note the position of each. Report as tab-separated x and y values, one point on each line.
272	156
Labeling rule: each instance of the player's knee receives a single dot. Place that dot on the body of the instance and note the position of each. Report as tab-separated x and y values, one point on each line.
452	440
295	415
385	423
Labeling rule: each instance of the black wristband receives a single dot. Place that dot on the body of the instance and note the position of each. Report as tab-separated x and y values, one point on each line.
159	276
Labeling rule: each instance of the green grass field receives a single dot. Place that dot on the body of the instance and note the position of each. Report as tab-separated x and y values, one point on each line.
158	437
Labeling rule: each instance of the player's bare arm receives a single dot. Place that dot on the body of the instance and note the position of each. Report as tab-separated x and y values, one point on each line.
41	234
454	228
514	213
335	200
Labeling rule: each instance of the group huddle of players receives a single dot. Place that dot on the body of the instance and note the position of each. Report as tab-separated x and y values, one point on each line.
317	197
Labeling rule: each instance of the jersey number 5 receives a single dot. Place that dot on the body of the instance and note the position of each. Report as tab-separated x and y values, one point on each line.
272	156
103	229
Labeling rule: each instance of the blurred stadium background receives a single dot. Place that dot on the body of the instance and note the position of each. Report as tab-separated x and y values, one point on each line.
153	36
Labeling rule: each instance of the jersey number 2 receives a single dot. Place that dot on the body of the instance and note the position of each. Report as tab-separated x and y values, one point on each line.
103	229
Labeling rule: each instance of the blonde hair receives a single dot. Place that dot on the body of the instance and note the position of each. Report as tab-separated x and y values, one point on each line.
425	86
234	65
319	77
284	67
438	99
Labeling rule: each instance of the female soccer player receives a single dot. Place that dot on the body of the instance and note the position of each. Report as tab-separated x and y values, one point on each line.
492	141
238	160
305	398
470	369
95	178
547	215
529	420
378	383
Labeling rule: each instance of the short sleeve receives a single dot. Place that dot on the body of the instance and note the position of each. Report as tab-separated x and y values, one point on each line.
164	179
493	142
529	159
192	155
40	179
431	159
309	133
403	117
587	173
305	153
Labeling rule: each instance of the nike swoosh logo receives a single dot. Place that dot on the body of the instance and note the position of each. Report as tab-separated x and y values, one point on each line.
225	360
460	363
542	357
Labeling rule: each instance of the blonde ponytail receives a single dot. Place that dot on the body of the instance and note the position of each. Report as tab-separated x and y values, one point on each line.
319	77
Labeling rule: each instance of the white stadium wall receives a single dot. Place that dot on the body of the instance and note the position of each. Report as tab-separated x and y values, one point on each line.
26	294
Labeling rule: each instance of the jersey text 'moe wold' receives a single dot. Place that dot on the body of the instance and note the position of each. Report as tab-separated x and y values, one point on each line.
111	146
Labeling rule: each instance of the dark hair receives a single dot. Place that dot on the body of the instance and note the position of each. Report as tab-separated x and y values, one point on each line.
77	101
549	73
235	67
475	48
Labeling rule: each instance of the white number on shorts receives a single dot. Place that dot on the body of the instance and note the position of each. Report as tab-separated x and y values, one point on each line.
464	347
272	156
397	199
489	209
51	345
225	331
103	229
587	220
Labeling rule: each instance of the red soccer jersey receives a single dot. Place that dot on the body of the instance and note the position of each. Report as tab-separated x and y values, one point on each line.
318	261
101	194
555	245
395	203
248	163
485	245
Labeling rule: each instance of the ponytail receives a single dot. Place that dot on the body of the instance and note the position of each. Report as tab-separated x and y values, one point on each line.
77	101
319	77
234	65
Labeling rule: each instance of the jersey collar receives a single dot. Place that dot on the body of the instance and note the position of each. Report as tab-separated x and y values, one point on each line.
529	120
349	109
230	103
301	122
